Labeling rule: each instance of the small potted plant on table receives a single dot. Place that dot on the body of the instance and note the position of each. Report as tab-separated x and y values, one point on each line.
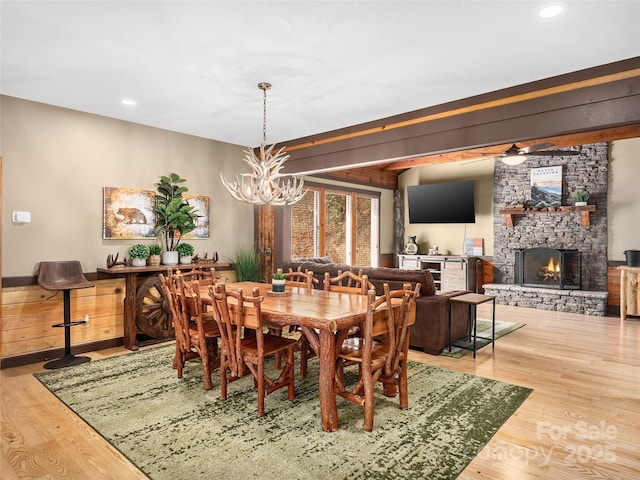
185	251
278	281
138	254
154	255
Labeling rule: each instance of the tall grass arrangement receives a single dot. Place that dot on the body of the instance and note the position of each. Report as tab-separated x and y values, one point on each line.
247	262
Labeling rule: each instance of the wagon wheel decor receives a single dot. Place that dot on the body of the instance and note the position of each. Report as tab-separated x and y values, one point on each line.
152	312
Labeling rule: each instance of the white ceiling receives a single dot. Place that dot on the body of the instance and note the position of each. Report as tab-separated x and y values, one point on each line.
193	66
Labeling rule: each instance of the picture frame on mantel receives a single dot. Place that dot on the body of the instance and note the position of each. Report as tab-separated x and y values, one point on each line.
546	186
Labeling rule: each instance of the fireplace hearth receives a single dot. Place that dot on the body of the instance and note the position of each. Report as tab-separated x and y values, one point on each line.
548	268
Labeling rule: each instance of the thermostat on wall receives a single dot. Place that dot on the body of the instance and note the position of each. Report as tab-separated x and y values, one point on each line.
21	217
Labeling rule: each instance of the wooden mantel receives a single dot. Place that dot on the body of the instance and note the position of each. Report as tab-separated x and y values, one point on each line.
584	212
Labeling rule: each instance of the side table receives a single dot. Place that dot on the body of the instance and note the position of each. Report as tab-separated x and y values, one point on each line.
474	342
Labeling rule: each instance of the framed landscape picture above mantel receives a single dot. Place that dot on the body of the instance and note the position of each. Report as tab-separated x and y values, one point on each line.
128	213
546	187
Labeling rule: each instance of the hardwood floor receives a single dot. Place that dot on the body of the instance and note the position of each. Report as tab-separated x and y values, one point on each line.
581	421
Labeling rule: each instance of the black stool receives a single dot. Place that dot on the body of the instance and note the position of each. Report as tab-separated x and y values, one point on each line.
65	276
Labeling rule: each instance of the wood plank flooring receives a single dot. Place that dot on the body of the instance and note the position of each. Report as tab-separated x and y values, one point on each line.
581	421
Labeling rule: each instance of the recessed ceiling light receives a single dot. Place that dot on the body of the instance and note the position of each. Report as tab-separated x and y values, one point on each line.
551	10
128	101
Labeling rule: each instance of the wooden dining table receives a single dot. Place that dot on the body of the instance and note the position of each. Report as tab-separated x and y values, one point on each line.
324	318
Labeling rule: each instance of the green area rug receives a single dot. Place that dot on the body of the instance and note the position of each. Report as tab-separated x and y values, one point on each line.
484	330
173	429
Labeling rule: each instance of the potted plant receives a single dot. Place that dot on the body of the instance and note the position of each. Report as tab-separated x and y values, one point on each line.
154	255
174	216
247	263
185	251
580	199
278	280
138	254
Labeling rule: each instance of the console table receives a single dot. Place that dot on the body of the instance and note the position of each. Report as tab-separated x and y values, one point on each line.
154	318
629	291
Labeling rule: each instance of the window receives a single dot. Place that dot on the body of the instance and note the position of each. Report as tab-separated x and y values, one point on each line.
341	224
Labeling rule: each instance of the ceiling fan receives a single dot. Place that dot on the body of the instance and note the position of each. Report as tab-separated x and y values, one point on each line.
515	155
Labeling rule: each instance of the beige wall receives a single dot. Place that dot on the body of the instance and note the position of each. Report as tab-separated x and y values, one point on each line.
624	198
623	202
450	237
57	161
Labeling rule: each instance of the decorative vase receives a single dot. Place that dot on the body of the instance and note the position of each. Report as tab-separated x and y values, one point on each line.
170	257
138	262
153	260
277	285
411	247
186	259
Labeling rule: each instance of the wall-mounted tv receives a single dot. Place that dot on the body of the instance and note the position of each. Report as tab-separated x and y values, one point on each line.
450	202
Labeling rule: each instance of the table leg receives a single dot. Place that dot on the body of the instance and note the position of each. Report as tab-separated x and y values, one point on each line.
623	295
130	312
327	364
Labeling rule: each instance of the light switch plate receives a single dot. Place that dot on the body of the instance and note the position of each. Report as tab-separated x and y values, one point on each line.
21	217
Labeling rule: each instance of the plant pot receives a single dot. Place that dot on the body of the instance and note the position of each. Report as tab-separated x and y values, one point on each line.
139	262
154	260
186	259
633	258
170	257
580	204
277	285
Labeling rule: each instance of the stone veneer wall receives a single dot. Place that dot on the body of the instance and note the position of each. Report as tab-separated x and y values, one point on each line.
587	171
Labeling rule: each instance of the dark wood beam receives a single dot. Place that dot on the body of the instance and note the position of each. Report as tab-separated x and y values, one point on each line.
597	99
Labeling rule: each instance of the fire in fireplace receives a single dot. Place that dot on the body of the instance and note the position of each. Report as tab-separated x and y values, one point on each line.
548	268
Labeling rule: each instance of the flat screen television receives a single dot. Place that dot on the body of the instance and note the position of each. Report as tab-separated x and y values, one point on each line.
450	202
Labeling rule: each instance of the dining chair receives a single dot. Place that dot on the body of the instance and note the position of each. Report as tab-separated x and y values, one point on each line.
299	279
302	280
245	344
347	282
195	336
380	351
204	276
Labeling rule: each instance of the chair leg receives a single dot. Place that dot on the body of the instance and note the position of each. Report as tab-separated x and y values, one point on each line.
261	390
369	399
291	390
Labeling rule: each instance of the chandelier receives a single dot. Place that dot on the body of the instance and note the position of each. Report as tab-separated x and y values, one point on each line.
265	185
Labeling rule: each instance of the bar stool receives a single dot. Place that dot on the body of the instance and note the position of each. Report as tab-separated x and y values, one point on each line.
65	276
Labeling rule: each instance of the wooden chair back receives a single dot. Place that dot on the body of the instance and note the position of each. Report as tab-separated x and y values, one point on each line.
347	282
207	276
299	279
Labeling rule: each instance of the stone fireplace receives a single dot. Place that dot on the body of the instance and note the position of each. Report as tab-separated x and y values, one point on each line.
583	249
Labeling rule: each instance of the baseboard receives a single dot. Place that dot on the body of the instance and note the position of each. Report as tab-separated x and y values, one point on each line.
44	356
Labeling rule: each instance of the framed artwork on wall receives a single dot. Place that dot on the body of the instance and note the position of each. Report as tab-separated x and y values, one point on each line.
546	187
201	205
128	213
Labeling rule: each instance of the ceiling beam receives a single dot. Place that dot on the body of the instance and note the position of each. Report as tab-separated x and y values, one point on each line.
591	100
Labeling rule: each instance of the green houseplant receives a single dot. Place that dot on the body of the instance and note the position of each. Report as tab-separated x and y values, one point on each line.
138	254
247	263
185	251
581	198
154	255
174	216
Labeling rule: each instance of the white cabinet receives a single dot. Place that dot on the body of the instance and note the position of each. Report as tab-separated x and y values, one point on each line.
450	272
